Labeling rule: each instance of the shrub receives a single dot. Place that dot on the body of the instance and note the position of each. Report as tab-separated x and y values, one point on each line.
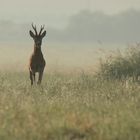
122	65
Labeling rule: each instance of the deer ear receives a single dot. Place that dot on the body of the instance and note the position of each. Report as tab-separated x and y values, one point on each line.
31	34
43	34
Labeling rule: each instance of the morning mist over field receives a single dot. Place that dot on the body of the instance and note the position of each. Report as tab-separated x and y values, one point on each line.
75	21
79	32
83	27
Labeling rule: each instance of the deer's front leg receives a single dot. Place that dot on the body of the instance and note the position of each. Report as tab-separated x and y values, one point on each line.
31	78
40	77
34	77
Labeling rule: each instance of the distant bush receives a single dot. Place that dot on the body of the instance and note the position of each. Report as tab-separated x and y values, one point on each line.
122	65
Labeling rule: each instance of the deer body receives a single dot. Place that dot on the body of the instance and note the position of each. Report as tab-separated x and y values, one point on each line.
37	62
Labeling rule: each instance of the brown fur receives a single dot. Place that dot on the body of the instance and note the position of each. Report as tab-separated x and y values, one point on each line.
37	62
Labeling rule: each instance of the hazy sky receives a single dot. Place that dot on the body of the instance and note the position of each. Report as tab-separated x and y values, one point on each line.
56	12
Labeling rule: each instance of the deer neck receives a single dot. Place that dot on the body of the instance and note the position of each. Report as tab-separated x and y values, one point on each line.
37	50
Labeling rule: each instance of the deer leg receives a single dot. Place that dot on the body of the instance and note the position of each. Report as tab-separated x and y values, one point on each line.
31	78
40	77
34	77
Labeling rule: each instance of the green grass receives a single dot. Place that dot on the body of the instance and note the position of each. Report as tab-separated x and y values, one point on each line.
68	107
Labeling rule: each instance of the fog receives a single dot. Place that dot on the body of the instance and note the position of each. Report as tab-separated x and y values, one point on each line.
79	32
83	27
58	59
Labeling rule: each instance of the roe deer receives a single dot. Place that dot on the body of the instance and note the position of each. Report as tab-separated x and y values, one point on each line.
37	62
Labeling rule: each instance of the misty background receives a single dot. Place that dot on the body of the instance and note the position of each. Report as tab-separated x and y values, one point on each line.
84	27
79	32
75	21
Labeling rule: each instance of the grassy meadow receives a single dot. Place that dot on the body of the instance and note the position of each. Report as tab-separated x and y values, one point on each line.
69	105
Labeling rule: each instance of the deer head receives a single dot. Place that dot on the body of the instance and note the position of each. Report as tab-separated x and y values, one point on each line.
37	37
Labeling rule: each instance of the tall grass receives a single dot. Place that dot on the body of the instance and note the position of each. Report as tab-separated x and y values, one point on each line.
122	65
74	106
68	107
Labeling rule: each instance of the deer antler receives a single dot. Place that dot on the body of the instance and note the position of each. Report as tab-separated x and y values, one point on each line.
42	27
34	27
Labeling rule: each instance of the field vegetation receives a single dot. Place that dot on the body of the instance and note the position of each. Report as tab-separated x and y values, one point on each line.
73	106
